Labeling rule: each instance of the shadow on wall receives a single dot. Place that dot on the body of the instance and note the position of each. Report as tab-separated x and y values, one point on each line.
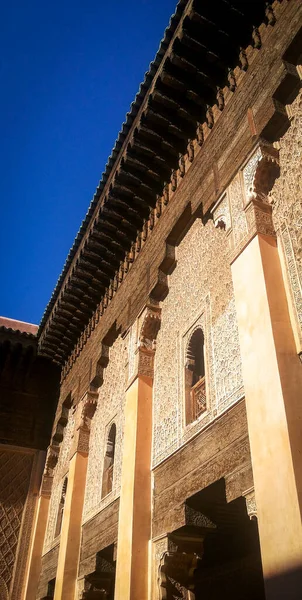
285	586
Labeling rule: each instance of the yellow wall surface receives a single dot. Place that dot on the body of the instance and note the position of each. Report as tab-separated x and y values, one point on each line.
272	377
135	503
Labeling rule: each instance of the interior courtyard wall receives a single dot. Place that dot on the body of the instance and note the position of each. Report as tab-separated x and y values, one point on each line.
286	198
60	472
110	409
16	466
200	294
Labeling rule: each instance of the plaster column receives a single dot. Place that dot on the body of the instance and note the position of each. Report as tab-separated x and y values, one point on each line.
39	528
134	532
70	539
272	376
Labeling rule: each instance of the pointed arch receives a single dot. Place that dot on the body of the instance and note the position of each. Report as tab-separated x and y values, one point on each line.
195	383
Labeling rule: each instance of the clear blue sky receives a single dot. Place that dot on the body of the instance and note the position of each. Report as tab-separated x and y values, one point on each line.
69	71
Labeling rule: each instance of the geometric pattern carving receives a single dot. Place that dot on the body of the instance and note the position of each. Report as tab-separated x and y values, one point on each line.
59	472
110	407
251	505
199	398
15	471
150	326
286	201
203	268
221	214
176	575
147	339
261	171
259	176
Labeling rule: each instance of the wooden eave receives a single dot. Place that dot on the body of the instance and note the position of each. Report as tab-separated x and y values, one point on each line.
200	47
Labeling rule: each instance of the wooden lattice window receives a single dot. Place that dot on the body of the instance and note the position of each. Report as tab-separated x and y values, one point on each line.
195	381
61	508
109	462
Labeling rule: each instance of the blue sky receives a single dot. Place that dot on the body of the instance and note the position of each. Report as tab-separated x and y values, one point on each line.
69	71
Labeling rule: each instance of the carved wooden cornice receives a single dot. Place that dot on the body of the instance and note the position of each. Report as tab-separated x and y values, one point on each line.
187	88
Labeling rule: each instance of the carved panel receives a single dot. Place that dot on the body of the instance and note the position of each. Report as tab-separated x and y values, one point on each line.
132	346
202	278
251	505
59	472
237	201
222	214
110	407
286	199
261	172
159	548
15	471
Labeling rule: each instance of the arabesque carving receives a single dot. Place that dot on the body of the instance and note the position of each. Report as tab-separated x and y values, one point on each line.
59	472
286	200
251	505
261	172
110	407
176	574
150	326
15	471
203	269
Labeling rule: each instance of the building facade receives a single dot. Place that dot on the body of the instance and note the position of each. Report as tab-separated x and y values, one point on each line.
173	469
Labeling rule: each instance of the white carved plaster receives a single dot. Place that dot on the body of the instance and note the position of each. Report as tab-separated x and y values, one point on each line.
286	199
60	473
110	409
201	280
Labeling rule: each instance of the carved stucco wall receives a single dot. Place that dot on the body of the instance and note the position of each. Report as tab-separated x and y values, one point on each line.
110	409
15	473
60	473
200	293
286	197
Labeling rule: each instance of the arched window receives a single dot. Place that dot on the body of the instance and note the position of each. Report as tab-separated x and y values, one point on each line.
61	508
195	384
109	462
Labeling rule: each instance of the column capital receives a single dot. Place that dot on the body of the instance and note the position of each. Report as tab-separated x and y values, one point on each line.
147	339
46	485
261	171
85	413
259	176
250	500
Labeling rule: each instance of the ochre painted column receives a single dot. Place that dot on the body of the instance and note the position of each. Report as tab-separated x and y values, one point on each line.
38	535
70	539
272	377
134	532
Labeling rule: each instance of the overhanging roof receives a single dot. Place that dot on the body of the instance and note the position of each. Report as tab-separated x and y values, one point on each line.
200	47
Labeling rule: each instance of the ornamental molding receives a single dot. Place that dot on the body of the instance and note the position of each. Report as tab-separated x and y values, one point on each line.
176	572
88	407
150	327
251	506
142	342
258	176
261	172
